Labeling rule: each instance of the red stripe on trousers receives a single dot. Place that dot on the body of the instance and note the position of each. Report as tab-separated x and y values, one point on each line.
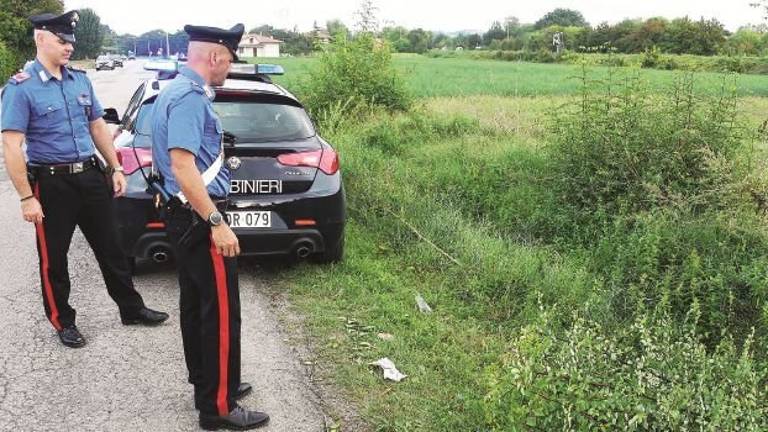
44	264
220	274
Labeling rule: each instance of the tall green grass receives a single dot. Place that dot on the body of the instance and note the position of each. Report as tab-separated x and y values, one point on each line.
553	310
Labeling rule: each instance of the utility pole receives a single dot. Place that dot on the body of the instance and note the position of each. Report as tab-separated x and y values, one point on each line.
167	46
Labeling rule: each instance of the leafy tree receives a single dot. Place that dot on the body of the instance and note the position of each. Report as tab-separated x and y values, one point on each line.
294	43
149	42
651	33
562	17
397	38
89	34
419	40
16	30
336	26
265	29
685	36
474	40
746	41
496	32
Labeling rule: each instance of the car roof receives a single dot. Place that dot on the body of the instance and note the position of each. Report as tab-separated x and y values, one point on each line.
155	85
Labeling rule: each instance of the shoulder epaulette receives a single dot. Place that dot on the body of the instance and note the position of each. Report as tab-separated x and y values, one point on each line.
74	69
19	78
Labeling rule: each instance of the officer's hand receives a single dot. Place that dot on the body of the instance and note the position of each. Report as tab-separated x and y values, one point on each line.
32	211
119	183
225	240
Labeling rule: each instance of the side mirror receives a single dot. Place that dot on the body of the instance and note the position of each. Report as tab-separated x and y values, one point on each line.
110	116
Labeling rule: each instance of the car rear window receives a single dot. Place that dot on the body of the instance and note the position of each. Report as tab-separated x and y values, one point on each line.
250	122
255	122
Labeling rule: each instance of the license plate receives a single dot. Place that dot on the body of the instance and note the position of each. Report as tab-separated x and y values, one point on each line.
249	219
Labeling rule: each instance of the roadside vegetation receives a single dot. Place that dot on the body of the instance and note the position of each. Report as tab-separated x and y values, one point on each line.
594	250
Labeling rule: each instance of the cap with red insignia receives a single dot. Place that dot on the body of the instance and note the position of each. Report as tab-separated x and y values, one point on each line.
62	25
229	38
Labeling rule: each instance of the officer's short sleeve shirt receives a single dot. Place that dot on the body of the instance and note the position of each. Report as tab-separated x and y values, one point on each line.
54	115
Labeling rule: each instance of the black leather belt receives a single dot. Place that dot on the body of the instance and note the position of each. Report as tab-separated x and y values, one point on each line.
64	169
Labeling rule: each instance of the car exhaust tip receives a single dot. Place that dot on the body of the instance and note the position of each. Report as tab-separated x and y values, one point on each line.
304	249
160	255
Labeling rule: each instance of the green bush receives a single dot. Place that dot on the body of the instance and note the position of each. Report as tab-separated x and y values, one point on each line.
8	63
354	75
652	375
619	149
716	260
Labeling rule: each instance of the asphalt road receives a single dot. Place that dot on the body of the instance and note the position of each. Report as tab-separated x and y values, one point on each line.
126	378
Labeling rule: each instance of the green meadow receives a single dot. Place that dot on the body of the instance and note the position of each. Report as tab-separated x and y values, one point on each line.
547	314
436	77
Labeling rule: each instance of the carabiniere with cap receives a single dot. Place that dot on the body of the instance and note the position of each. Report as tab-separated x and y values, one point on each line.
53	108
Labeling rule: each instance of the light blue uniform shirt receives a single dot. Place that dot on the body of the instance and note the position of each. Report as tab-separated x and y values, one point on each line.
54	115
183	118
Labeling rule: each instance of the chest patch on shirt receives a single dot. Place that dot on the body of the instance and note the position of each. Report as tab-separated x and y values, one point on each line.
84	100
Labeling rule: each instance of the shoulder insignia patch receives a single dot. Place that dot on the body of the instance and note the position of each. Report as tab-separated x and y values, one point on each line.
19	78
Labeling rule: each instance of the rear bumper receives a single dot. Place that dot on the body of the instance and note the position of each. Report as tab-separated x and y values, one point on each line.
287	242
139	238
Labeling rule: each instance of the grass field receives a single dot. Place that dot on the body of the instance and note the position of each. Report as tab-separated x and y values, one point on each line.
430	77
450	201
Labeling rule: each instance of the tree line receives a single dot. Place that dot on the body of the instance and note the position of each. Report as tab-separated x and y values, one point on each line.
674	36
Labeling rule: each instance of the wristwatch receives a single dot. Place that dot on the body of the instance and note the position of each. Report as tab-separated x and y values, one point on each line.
112	170
215	219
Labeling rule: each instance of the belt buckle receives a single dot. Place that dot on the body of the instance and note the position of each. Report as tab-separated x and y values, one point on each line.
76	168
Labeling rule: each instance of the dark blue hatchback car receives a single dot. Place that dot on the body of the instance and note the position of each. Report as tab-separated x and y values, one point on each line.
287	196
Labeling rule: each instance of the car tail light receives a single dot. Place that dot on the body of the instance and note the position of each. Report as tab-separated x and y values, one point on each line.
305	222
128	159
326	160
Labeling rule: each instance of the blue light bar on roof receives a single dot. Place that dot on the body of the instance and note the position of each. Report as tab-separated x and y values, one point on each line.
261	69
271	69
161	65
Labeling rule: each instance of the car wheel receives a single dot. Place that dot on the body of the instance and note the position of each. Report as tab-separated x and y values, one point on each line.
334	252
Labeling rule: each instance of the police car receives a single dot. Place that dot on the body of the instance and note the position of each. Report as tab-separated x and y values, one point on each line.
287	195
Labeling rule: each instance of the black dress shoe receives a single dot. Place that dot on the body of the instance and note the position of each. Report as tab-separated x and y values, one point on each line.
238	419
145	316
243	390
70	336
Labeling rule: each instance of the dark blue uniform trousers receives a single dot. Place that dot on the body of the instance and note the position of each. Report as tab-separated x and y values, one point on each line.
85	200
210	312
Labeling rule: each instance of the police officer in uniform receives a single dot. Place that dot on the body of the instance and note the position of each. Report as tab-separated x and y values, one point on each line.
188	152
53	108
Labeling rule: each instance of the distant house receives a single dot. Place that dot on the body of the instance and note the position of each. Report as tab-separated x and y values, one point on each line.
256	45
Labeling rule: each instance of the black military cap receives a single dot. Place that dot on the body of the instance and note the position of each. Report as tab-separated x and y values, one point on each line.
62	25
229	38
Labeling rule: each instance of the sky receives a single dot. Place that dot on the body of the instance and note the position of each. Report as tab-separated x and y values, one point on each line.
139	16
